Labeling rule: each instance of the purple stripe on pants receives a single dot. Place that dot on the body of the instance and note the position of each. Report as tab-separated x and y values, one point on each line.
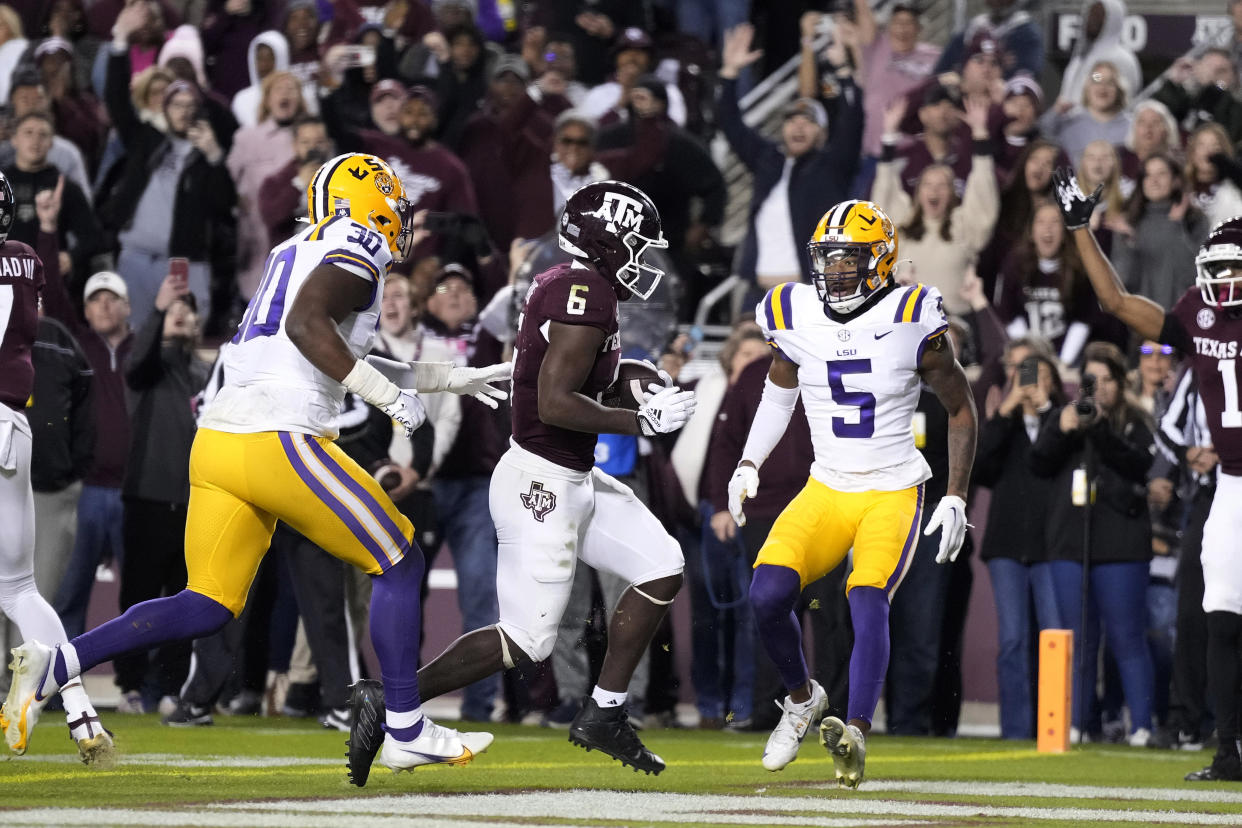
911	542
368	500
330	500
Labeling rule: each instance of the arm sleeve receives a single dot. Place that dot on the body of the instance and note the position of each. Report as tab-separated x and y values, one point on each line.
771	419
56	302
845	138
116	96
887	190
976	216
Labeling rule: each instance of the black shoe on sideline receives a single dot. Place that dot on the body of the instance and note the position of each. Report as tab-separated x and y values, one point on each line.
609	731
188	715
366	730
1226	768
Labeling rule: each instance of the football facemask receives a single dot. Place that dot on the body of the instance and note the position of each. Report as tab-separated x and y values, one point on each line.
636	276
840	274
1218	273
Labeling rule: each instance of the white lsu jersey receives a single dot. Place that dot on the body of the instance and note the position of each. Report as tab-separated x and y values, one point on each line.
859	380
268	384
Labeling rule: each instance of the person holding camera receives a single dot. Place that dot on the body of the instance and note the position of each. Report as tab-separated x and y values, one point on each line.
1016	557
1097	452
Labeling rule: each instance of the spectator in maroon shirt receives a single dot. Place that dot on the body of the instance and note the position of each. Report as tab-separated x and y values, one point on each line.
282	196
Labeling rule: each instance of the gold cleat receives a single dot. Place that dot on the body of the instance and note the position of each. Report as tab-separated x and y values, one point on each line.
97	751
848	747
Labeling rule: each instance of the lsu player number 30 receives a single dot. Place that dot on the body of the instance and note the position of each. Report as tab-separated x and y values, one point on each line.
857	348
264	452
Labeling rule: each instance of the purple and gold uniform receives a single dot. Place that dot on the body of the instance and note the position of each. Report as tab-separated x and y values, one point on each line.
1211	339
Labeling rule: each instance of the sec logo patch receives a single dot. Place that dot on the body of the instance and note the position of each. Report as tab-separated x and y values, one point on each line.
1205	318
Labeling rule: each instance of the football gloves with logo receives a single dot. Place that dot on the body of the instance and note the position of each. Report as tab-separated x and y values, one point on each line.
406	409
743	484
950	519
1076	208
667	410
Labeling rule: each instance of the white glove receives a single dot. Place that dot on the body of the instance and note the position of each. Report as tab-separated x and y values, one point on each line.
666	411
408	410
743	484
950	518
477	382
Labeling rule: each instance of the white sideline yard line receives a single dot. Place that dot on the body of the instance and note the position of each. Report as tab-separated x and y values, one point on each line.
182	761
1052	791
650	806
127	817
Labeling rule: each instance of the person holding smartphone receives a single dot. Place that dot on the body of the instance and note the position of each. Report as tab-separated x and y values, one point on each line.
1015	556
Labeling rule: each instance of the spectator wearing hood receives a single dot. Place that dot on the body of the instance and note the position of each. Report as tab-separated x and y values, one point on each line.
257	152
182	55
174	192
229	30
433	176
796	179
1006	21
67	19
267	53
1102	113
633	58
681	176
13	45
1100	41
76	112
1202	91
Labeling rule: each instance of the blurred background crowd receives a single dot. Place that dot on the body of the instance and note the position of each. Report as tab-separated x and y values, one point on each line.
135	132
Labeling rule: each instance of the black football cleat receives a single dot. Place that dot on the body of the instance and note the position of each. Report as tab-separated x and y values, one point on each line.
366	730
1226	768
609	731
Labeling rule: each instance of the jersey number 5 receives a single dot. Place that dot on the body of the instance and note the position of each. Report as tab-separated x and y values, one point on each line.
864	401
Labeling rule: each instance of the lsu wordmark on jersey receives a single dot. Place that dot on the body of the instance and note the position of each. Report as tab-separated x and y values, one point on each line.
859	381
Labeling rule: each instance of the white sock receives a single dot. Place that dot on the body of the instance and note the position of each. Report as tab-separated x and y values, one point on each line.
79	713
73	668
398	722
607	698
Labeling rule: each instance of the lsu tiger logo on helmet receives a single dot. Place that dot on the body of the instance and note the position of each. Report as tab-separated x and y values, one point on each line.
852	251
367	190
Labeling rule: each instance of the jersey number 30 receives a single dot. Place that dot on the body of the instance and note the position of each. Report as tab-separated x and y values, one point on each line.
864	401
265	310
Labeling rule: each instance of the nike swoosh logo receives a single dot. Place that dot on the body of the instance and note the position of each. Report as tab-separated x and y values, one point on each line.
465	756
42	679
881	336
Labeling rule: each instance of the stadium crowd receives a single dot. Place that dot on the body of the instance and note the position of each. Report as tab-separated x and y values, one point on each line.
142	132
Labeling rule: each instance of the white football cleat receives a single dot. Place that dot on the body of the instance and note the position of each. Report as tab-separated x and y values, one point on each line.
796	721
848	747
436	745
32	688
95	746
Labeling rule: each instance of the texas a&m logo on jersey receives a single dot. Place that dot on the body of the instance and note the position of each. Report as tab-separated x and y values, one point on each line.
539	500
620	212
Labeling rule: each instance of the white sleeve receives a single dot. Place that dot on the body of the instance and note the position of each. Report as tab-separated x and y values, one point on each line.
771	418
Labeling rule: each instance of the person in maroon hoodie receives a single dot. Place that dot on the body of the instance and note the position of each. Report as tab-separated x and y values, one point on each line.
105	338
822	604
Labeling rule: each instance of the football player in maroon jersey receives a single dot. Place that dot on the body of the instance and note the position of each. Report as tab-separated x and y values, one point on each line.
551	506
21	279
1206	325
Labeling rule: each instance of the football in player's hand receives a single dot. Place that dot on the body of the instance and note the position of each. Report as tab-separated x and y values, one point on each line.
630	389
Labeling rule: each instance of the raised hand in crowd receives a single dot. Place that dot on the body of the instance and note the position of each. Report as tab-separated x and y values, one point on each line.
894	114
437	45
736	54
174	286
394	16
47	206
533	42
203	138
809	22
971	290
976	118
132	18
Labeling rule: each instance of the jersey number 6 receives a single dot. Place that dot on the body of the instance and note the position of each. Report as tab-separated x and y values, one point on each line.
864	401
576	305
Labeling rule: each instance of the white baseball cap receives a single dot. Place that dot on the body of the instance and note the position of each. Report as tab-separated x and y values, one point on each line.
105	280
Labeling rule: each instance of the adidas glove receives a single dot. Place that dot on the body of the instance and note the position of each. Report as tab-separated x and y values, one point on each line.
667	410
406	409
743	484
1076	208
950	519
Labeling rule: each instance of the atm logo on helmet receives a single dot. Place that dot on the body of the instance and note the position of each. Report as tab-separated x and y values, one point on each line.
620	212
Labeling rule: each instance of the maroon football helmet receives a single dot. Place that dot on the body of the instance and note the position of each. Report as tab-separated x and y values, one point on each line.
1218	266
610	225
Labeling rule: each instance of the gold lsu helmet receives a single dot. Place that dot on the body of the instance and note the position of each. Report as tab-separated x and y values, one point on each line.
852	254
367	190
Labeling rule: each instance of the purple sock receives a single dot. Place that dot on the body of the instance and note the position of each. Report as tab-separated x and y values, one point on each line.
773	593
869	661
185	615
396	616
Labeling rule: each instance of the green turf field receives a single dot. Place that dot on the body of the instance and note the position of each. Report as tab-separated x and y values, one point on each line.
277	772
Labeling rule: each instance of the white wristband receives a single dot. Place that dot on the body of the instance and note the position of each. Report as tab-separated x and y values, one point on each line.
776	408
370	384
430	377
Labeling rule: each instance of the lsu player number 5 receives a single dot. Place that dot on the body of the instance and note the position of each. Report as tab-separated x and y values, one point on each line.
264	452
857	348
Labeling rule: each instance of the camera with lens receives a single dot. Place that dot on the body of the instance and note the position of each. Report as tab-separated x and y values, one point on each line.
1085	404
